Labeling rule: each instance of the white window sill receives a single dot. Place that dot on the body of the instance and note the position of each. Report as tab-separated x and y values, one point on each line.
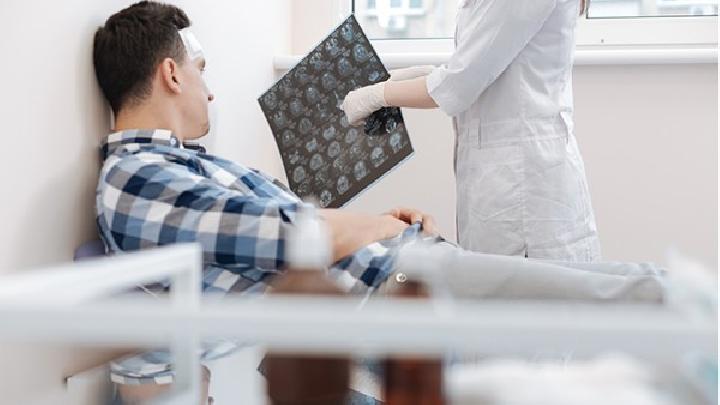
583	56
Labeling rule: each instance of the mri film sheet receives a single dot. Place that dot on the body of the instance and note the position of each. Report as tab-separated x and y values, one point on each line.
324	157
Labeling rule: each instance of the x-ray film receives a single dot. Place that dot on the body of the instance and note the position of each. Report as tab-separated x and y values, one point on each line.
324	157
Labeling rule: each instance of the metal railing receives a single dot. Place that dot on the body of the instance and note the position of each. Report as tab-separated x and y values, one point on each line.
52	305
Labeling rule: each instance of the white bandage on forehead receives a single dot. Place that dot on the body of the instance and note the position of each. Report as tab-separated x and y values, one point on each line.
192	45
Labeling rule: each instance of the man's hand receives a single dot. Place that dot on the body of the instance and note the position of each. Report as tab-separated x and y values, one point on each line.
351	231
413	216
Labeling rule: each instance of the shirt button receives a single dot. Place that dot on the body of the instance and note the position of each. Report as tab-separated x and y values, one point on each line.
400	277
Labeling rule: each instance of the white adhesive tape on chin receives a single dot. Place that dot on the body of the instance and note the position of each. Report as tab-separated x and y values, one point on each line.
192	45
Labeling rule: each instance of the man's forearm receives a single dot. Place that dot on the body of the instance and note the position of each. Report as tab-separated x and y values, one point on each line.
350	231
345	241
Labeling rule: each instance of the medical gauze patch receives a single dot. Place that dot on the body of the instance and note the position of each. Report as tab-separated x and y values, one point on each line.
325	158
192	45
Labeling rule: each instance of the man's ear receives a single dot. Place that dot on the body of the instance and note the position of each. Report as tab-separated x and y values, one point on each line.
169	72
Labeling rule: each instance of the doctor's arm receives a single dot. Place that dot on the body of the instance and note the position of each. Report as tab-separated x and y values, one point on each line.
500	30
409	93
405	88
497	31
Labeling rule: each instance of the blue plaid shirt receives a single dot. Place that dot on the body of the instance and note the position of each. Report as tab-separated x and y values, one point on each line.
153	191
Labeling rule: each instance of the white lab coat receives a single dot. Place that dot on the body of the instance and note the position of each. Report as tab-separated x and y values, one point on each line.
521	185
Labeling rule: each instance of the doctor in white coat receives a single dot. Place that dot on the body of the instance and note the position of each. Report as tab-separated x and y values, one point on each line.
521	186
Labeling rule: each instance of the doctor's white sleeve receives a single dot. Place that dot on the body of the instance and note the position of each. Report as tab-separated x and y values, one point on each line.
492	36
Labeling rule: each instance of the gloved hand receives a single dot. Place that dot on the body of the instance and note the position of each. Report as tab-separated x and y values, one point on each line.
360	103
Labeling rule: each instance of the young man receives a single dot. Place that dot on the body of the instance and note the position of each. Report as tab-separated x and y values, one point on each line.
157	187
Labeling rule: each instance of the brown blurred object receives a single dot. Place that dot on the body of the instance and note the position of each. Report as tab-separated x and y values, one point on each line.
295	379
413	380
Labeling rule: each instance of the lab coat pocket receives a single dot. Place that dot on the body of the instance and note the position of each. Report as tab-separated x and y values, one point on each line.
490	183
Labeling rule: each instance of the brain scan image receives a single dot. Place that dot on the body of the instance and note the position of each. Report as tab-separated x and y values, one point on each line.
344	67
311	145
328	81
322	177
294	157
302	75
347	32
339	165
296	108
395	142
285	89
329	133
334	149
312	95
356	150
390	125
332	46
325	198
343	184
377	157
351	136
299	174
360	170
280	120
305	126
325	158
316	162
288	138
271	99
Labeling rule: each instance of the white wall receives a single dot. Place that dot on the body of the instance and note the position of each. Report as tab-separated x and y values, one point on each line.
649	135
54	117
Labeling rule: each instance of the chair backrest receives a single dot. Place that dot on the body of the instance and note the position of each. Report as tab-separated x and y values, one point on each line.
89	250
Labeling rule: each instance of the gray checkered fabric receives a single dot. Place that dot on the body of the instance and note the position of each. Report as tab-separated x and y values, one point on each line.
153	191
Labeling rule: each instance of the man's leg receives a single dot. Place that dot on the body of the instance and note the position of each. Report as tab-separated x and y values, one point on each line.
475	275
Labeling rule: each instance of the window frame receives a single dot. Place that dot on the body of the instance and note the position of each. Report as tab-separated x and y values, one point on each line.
621	41
627	33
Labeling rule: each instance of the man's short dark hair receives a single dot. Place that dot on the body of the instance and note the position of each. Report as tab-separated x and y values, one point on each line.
131	44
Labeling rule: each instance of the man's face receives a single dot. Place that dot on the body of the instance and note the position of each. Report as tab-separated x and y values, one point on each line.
195	98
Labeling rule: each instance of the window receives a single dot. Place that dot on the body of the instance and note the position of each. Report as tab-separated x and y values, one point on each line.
403	19
651	8
428	19
416	32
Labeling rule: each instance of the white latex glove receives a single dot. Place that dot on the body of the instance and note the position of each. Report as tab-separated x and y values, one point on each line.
360	103
411	72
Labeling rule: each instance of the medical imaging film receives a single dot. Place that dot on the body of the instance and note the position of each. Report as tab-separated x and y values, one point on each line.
325	158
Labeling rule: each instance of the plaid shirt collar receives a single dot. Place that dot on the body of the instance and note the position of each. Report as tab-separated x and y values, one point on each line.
161	137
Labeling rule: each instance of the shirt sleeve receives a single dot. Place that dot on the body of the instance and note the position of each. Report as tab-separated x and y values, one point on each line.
142	205
496	32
